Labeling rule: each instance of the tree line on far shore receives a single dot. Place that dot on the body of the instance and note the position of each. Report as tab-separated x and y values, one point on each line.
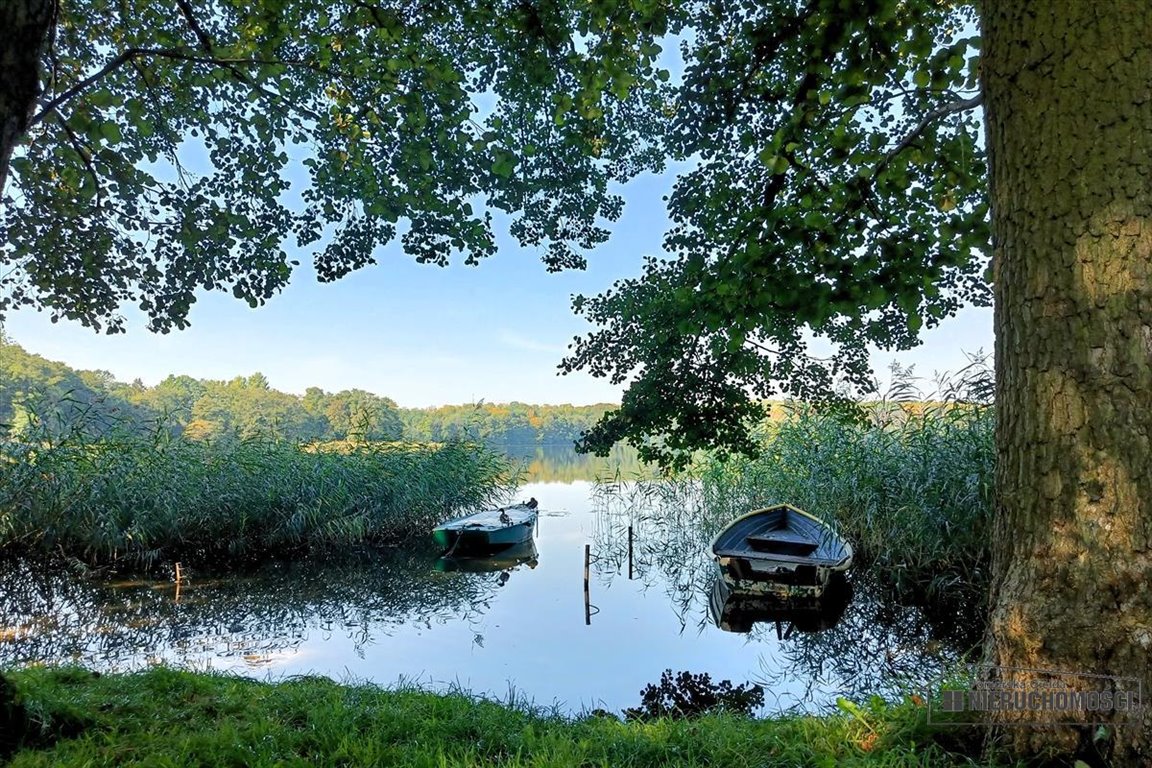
247	406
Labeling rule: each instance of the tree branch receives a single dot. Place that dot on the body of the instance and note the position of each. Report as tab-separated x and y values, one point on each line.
201	35
84	154
118	61
948	109
182	54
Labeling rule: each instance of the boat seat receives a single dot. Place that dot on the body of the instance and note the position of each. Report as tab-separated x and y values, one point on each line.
782	543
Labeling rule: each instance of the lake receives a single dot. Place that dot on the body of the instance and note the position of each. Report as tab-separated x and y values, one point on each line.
523	631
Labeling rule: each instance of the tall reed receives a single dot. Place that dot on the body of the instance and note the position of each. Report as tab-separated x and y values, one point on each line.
910	483
150	497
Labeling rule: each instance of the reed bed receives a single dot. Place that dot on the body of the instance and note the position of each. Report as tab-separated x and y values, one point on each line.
908	480
147	498
910	483
914	497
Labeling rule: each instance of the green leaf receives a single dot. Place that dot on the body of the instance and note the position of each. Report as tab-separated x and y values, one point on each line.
110	131
504	163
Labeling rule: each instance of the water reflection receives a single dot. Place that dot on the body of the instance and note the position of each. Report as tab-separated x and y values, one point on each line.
735	612
561	464
856	641
47	613
519	621
508	560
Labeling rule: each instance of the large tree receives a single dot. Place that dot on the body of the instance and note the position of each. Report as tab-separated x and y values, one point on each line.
151	149
841	193
838	191
1069	125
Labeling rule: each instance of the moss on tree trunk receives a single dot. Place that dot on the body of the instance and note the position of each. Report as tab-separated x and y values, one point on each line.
1068	89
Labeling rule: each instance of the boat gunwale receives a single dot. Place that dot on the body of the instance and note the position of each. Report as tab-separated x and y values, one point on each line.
836	565
459	524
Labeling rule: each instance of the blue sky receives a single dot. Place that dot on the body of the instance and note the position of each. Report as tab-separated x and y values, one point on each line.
420	334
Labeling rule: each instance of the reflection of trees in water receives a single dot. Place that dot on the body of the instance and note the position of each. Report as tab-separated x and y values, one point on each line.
880	645
561	464
48	614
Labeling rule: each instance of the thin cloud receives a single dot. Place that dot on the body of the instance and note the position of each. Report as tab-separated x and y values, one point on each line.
519	341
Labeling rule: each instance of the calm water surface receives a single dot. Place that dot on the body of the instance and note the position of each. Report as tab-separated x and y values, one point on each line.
398	616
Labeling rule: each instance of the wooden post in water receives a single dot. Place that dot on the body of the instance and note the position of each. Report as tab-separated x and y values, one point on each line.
587	603
629	553
178	579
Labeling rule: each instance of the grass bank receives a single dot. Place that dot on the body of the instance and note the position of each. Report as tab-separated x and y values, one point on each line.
171	718
151	498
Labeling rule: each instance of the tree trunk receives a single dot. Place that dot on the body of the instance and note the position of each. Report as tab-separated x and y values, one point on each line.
25	29
1068	98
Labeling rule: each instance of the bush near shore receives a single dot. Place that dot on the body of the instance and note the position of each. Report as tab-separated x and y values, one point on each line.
150	498
172	718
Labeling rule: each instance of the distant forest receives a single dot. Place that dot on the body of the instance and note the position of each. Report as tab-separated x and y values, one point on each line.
247	406
506	423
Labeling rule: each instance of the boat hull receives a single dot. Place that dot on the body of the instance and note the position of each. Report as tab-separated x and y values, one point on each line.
781	552
488	531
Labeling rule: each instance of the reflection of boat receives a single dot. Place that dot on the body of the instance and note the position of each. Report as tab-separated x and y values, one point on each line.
523	553
489	530
780	550
736	612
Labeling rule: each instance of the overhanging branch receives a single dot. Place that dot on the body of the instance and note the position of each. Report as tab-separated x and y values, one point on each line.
131	54
118	61
948	109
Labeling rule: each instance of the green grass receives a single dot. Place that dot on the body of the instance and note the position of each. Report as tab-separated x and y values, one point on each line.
169	718
149	498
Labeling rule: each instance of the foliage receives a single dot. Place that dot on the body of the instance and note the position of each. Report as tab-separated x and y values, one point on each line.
29	382
687	695
836	199
835	180
14	721
247	406
507	423
244	407
186	149
154	497
180	718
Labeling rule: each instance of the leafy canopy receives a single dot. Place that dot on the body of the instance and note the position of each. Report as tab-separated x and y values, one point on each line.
164	150
835	191
836	200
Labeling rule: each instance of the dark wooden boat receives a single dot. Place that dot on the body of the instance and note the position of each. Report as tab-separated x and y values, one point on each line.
738	612
780	550
489	530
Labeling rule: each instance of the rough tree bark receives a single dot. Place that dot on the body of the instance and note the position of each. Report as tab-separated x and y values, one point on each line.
1068	94
25	30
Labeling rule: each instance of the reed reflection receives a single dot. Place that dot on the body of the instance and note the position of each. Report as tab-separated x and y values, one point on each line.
52	614
860	639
